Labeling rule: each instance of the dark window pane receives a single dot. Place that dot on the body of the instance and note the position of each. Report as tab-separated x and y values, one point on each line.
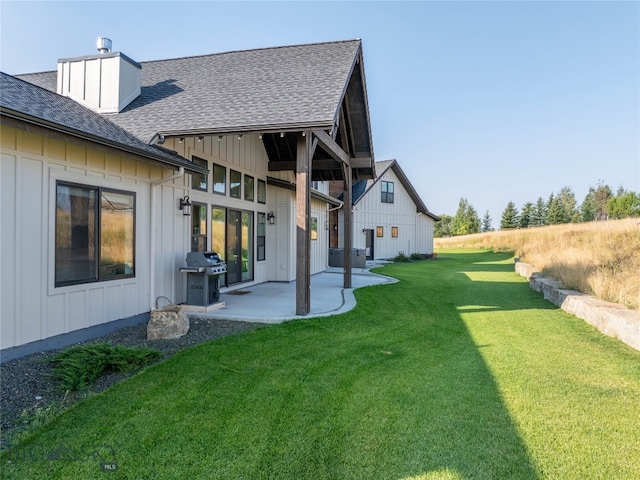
248	188
200	180
262	191
235	179
75	234
219	179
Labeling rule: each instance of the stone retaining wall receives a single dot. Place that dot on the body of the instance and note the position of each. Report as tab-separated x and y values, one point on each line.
610	318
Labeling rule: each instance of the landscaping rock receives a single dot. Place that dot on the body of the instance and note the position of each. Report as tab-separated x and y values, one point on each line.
166	323
609	318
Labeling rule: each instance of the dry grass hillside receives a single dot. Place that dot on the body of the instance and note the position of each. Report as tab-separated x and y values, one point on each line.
598	258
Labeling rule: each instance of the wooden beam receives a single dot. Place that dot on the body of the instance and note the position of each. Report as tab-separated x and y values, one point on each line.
348	226
329	145
303	224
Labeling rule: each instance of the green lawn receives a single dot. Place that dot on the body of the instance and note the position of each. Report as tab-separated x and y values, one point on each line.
458	371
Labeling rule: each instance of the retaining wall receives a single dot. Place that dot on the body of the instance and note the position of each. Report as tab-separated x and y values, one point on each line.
610	318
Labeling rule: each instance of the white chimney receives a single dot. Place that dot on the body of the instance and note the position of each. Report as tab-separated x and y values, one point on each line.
106	82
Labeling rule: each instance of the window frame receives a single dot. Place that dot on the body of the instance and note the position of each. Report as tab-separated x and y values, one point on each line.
201	162
249	183
394	232
386	194
216	168
231	183
261	237
379	231
98	227
262	192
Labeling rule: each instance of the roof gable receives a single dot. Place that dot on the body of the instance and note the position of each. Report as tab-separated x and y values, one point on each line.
381	168
276	92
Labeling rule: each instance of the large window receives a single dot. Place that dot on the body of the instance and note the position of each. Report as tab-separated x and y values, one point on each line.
249	188
95	234
200	180
235	184
219	179
314	228
262	191
387	192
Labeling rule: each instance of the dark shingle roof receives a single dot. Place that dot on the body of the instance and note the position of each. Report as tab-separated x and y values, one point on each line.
28	102
300	85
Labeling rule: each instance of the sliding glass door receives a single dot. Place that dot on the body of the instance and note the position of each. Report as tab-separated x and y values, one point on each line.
239	246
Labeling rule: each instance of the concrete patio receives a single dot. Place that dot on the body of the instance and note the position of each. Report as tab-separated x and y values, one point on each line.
275	302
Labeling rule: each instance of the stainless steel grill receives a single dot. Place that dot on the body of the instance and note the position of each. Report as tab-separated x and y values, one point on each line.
203	270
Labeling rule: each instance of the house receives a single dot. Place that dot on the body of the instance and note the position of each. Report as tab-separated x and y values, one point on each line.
99	157
389	217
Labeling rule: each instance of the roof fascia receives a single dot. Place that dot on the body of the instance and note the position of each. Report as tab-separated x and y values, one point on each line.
61	129
247	129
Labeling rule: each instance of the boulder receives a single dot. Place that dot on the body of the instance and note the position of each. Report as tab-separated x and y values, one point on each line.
166	323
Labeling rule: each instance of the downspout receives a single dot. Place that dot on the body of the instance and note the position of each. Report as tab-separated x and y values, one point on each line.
152	243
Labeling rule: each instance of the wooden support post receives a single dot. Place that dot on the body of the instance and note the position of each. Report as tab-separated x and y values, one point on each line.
348	226
303	224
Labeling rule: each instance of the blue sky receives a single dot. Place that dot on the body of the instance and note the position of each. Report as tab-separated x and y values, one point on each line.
491	101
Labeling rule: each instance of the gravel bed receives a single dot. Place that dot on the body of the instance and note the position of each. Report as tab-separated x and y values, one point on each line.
27	387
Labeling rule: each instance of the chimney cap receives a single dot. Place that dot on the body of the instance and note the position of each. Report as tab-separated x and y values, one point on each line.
103	44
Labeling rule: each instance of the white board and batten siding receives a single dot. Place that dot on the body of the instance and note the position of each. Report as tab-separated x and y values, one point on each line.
415	230
31	306
247	155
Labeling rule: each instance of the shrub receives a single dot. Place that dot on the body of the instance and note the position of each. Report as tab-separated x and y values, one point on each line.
401	257
416	256
79	366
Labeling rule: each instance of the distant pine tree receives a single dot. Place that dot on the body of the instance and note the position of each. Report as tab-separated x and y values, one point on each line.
486	222
509	219
526	216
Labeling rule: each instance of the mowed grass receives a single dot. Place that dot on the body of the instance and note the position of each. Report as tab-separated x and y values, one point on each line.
458	371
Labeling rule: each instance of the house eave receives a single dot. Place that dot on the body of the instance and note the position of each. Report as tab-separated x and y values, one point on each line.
20	117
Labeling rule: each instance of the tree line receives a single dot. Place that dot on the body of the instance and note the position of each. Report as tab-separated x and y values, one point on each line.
599	204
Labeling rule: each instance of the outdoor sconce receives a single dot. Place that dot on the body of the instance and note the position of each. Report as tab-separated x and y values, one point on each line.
272	218
185	206
335	226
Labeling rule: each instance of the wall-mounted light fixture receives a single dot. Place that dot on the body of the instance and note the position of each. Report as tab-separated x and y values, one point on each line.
335	226
200	138
185	206
271	218
181	139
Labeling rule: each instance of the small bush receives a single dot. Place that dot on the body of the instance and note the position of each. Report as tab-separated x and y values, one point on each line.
78	367
401	257
416	256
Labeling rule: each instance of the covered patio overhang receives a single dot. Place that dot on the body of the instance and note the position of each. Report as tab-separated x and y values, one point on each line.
337	149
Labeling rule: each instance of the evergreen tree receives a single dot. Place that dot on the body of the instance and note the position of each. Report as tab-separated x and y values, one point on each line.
509	219
539	214
526	215
443	227
466	219
569	205
589	206
486	223
555	211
